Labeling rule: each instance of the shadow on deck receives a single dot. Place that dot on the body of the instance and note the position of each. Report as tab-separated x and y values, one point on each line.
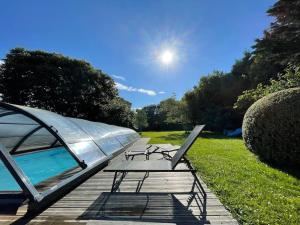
147	207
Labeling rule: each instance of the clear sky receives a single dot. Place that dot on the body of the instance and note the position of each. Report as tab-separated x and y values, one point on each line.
152	49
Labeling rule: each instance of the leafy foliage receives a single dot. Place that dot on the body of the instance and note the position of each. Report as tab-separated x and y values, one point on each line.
289	79
169	114
211	101
153	118
119	112
140	121
60	84
280	44
271	127
173	112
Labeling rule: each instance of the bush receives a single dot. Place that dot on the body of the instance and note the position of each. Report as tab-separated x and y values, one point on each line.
271	127
289	79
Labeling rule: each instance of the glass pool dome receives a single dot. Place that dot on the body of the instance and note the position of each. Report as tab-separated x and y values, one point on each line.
41	152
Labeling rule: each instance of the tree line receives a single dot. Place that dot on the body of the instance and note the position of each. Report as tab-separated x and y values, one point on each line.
220	99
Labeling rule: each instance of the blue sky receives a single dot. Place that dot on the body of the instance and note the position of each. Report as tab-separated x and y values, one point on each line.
128	38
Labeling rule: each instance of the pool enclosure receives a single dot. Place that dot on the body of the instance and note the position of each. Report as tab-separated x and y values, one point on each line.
41	152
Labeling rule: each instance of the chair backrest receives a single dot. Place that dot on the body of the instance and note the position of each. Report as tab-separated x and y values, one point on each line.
186	145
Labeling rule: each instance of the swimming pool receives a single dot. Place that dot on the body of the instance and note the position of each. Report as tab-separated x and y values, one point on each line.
38	166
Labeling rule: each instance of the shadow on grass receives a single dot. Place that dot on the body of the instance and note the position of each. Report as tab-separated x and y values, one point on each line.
206	134
214	135
175	137
291	170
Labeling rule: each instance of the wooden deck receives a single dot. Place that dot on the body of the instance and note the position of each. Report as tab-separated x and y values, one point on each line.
161	198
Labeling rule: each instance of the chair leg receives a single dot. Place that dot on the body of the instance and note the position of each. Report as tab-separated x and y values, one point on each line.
114	181
141	182
194	185
189	165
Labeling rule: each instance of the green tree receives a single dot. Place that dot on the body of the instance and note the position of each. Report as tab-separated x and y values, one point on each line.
173	113
119	112
212	100
280	44
289	79
60	84
153	117
192	107
140	121
169	114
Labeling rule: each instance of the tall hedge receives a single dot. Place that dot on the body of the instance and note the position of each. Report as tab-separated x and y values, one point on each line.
271	127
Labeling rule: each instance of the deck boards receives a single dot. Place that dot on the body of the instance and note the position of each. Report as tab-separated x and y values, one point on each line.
161	198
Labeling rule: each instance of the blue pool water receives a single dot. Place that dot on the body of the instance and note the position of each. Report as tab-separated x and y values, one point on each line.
38	166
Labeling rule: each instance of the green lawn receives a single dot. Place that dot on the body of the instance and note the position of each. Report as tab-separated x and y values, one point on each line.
254	192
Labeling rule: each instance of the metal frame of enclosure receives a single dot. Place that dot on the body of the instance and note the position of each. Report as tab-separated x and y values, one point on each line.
25	130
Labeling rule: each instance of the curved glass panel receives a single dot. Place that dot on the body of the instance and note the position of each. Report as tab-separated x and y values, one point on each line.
68	130
87	151
40	138
76	138
124	135
104	139
13	127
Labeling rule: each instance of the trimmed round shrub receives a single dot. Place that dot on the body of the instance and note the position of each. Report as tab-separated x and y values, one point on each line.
271	127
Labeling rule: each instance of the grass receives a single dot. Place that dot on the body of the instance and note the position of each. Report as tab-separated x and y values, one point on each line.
254	192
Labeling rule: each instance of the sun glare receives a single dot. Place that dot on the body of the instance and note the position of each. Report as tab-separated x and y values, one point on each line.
164	51
167	57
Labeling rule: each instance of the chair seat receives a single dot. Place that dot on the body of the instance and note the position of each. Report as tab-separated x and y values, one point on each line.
157	148
140	166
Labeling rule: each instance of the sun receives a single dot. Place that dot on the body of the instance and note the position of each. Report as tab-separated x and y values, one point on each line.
166	57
